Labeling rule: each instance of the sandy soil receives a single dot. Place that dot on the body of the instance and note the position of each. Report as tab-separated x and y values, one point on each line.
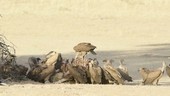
83	90
114	26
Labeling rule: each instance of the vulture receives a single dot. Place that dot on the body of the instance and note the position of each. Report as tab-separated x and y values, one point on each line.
83	48
113	72
122	66
78	73
95	72
124	75
33	62
150	76
168	70
87	47
123	70
43	72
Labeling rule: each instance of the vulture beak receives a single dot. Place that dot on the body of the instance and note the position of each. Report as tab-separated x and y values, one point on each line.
94	53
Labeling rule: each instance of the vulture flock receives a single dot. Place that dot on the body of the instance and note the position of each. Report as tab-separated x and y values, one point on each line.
82	70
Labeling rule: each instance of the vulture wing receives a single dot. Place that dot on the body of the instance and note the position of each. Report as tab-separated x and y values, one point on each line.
85	47
124	75
168	70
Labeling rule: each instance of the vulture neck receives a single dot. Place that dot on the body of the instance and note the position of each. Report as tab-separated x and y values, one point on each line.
163	66
121	63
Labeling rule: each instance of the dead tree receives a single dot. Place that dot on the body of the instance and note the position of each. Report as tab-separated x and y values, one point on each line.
8	66
7	51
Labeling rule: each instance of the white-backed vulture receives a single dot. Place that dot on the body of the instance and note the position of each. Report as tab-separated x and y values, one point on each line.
51	58
150	76
78	73
80	62
43	71
168	70
122	66
113	72
123	70
61	73
95	72
83	48
33	62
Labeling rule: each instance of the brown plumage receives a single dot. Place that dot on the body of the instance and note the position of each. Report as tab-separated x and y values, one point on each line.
78	73
33	62
150	76
123	70
52	59
60	77
46	73
107	76
80	62
168	70
56	77
95	72
85	47
61	73
124	75
113	72
42	72
33	74
123	67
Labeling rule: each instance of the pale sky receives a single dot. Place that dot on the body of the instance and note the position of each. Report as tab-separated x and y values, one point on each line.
37	27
